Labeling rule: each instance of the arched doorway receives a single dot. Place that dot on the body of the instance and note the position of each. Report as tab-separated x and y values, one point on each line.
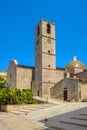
65	94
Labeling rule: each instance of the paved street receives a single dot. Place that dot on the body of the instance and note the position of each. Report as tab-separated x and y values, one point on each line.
59	116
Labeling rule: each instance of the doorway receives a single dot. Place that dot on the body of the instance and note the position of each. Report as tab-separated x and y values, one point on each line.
38	93
65	94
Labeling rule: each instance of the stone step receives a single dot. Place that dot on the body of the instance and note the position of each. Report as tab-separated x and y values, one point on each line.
29	109
37	108
17	112
79	117
32	109
57	128
64	126
74	122
83	114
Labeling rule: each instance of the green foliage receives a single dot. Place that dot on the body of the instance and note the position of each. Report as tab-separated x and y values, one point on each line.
70	100
27	96
3	83
16	96
58	98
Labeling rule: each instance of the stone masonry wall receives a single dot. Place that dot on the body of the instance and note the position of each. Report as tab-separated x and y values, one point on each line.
83	91
11	74
59	75
72	89
24	77
45	63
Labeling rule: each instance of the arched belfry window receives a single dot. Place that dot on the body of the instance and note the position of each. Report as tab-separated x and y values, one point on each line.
38	30
48	28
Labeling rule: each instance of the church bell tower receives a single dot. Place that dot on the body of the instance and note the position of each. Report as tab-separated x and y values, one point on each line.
45	58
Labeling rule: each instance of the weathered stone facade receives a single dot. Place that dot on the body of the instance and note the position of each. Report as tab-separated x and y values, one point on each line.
83	90
69	85
75	90
11	75
45	79
45	74
59	74
19	76
24	77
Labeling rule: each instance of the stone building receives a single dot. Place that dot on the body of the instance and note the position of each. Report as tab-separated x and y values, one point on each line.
3	74
45	78
74	84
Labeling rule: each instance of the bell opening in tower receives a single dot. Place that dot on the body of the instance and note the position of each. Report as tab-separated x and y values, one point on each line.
48	28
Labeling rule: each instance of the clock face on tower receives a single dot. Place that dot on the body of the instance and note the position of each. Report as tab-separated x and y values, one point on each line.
49	40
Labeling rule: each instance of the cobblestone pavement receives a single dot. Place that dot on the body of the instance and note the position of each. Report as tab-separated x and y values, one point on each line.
60	116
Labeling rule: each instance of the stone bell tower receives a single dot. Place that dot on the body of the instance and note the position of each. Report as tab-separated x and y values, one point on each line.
45	58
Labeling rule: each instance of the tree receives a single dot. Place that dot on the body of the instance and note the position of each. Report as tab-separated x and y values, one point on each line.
3	82
16	96
27	96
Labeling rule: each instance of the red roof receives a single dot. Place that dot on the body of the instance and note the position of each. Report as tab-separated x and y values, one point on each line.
82	75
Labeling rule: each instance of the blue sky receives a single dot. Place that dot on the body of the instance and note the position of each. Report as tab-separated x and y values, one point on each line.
18	19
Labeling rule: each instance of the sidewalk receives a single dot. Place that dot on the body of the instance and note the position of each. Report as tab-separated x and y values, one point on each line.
10	121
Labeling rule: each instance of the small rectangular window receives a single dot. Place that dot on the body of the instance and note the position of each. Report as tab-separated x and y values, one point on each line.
48	65
49	51
48	28
38	30
38	94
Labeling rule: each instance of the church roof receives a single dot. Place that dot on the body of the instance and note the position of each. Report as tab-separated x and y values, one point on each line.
26	67
82	75
75	63
58	68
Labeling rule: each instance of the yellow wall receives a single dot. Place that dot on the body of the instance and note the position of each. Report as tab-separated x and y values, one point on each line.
3	74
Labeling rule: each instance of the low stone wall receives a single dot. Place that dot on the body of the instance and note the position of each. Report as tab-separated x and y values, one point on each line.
9	108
